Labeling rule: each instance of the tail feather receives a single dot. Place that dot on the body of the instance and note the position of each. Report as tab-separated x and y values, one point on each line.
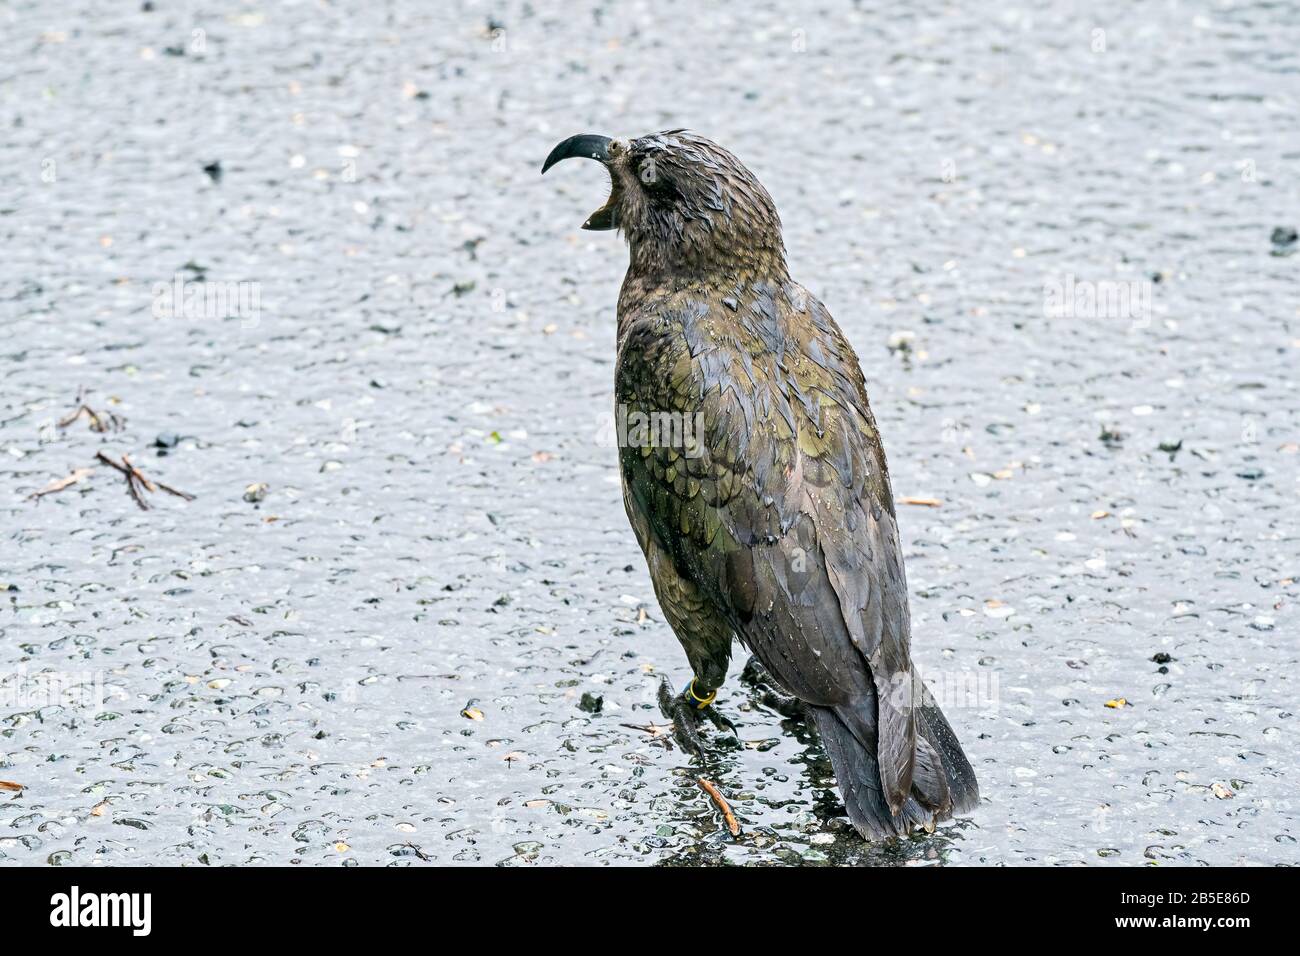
943	782
930	780
858	775
957	770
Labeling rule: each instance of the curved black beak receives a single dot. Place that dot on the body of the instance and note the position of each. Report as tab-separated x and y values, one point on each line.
586	145
590	146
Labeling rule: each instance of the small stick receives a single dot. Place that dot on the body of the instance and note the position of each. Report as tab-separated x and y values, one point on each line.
108	461
151	484
7	785
69	419
97	422
650	729
76	412
418	852
135	492
708	787
134	477
927	502
138	473
130	479
59	484
172	491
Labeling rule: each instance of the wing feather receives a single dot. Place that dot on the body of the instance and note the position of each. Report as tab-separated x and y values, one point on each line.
793	534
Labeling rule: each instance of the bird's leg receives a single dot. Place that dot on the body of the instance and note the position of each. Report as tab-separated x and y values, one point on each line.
769	694
684	710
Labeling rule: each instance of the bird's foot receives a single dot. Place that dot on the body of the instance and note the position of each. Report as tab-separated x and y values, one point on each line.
684	709
769	694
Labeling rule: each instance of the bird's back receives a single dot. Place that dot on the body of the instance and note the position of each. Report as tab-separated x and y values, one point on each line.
782	514
789	466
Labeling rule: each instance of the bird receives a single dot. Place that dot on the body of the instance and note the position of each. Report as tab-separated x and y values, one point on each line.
762	499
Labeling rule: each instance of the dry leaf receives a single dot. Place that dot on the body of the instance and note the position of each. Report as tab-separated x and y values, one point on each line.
1117	703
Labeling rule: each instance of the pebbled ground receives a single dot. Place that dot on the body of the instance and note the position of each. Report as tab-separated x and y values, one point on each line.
424	384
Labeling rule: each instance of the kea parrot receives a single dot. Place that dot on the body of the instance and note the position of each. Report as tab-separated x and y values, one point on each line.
763	504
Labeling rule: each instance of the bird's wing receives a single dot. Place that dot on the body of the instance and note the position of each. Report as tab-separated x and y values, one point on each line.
783	513
704	632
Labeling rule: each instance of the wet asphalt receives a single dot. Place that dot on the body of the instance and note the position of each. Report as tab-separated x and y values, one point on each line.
404	622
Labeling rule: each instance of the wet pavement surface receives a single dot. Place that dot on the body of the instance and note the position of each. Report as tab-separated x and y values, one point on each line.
383	657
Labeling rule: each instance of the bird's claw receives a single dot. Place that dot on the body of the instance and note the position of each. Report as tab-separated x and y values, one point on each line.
720	720
684	710
769	694
685	719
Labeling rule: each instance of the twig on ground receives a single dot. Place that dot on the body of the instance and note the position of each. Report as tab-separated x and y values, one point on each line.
135	480
417	851
139	475
708	787
59	484
654	730
114	422
927	502
130	479
172	491
8	785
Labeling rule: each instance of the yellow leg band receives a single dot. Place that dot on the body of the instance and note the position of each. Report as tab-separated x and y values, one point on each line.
700	702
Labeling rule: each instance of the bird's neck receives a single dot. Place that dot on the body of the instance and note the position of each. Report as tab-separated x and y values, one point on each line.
651	273
682	294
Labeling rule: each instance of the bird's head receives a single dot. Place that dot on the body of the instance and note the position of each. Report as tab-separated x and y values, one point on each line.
687	207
